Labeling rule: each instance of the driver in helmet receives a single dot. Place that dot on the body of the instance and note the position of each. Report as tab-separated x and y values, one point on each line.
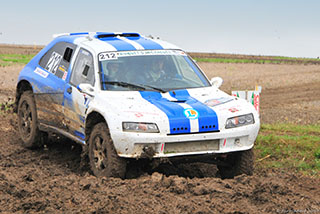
113	71
157	69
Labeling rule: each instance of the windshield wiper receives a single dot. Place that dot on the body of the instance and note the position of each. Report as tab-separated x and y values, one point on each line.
157	89
124	84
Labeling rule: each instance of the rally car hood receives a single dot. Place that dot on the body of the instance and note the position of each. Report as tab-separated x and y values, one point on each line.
187	110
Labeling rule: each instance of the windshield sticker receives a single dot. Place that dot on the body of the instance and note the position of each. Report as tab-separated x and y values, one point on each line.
41	72
108	56
114	55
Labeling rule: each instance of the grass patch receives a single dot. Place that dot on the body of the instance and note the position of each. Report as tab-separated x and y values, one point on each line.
7	107
296	58
289	146
227	60
13	59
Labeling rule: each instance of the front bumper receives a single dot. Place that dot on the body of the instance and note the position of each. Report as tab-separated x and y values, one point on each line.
157	145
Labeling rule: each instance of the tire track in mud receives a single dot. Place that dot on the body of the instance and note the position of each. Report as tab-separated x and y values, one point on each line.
52	180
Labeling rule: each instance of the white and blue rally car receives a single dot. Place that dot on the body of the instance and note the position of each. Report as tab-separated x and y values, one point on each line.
126	96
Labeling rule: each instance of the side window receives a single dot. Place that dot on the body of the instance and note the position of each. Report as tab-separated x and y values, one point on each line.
57	59
82	71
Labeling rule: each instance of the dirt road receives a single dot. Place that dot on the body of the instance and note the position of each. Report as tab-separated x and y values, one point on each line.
53	179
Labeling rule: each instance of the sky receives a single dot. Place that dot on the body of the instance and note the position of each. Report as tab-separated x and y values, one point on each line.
260	27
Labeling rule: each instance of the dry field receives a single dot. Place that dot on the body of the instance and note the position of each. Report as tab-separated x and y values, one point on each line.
290	92
54	180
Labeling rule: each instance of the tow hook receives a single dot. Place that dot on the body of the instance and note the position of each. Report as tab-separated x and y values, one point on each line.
148	152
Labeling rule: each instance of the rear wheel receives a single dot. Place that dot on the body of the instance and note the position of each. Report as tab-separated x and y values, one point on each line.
28	122
237	163
103	158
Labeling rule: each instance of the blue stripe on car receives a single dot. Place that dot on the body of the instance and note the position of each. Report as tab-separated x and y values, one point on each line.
146	43
79	134
208	120
178	122
119	44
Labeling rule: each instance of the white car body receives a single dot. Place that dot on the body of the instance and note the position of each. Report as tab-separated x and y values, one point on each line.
132	107
117	107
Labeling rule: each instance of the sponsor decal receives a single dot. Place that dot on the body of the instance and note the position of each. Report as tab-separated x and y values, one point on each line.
41	72
191	113
86	100
62	68
212	102
254	98
138	114
257	102
233	109
218	101
141	114
64	75
115	55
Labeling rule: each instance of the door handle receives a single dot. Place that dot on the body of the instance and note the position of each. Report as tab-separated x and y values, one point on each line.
69	90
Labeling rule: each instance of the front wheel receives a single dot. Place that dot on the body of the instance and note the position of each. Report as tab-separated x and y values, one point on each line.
103	158
28	122
237	163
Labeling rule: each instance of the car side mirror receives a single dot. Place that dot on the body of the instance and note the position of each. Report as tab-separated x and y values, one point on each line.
216	82
86	88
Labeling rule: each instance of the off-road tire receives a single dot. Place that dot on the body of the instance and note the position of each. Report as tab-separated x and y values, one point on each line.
103	158
238	163
29	132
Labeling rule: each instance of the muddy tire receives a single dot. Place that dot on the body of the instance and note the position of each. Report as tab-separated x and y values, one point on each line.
29	132
239	163
103	158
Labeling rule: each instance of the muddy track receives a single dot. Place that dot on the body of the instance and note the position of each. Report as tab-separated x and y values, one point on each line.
52	180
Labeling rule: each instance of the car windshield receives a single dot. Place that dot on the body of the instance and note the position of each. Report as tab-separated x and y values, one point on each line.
160	70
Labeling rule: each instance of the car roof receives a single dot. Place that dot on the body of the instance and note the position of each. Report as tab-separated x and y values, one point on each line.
114	41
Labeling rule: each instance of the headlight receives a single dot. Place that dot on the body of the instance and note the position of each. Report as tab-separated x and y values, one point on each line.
240	121
140	127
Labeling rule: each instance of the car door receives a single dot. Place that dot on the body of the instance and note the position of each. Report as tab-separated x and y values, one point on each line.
50	91
75	101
